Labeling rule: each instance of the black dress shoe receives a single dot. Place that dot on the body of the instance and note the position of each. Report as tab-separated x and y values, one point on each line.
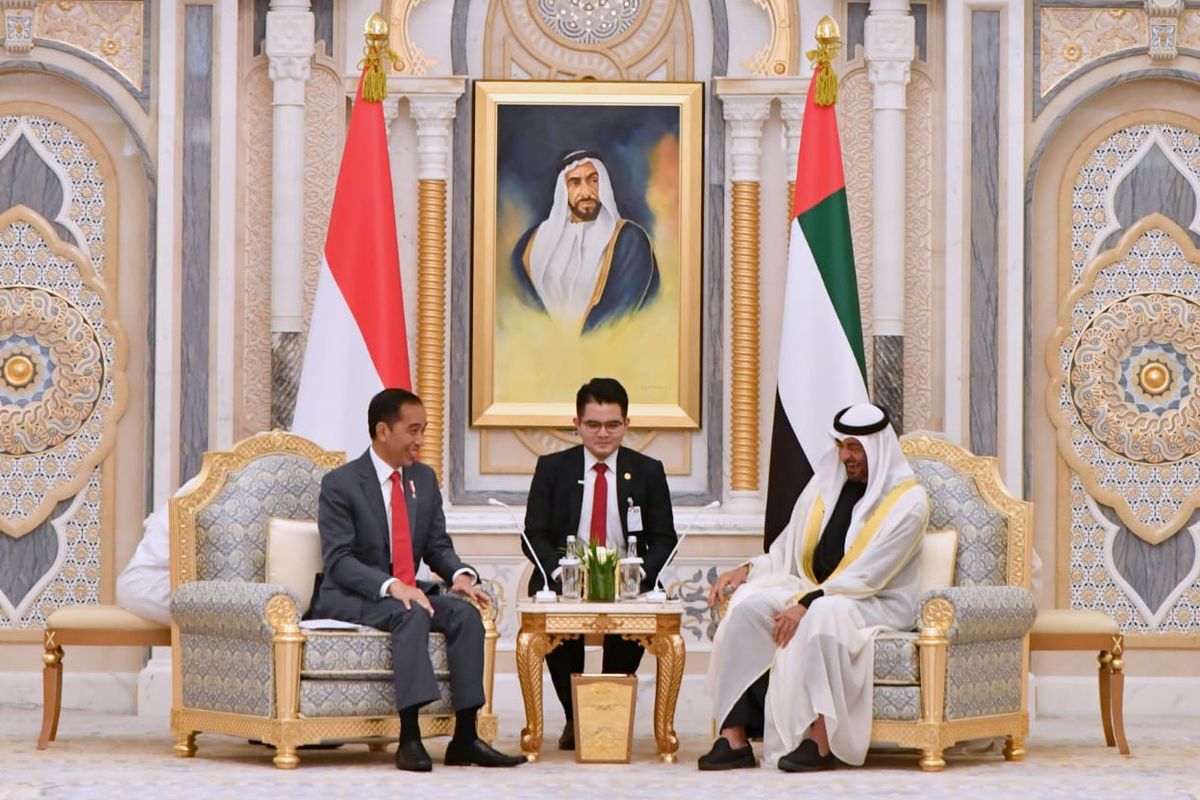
567	740
807	758
412	756
724	756
478	753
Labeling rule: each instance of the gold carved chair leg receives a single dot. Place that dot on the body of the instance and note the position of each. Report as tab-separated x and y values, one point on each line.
1105	658
931	759
51	690
1014	748
1118	693
185	744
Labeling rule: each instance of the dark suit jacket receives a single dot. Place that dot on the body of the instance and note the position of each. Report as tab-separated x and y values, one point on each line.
556	501
355	536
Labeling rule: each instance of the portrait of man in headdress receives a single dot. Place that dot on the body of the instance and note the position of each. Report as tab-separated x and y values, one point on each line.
584	264
587	248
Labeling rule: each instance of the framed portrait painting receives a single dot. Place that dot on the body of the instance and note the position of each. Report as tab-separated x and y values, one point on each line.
586	249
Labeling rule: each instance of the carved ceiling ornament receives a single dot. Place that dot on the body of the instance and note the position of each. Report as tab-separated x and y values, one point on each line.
594	39
62	362
1125	371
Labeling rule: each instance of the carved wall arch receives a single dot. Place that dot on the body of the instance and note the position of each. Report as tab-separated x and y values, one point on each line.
605	40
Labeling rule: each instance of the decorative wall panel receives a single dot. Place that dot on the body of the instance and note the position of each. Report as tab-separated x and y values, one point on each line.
324	114
1124	368
565	40
110	31
1072	38
688	578
855	101
256	254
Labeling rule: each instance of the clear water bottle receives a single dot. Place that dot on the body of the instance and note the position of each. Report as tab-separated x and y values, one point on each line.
630	571
571	575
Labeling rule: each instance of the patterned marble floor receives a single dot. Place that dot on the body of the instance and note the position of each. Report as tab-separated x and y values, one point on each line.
106	756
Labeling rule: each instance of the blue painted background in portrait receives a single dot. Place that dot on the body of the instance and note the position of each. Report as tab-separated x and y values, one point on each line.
532	138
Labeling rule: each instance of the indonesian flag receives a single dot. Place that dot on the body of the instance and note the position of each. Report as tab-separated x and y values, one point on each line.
357	342
821	365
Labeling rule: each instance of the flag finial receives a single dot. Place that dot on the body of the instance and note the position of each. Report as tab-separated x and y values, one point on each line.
829	41
374	87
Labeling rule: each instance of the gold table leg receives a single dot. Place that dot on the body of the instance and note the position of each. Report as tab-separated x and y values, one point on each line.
532	645
669	649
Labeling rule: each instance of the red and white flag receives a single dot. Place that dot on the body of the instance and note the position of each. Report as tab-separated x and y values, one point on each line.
357	342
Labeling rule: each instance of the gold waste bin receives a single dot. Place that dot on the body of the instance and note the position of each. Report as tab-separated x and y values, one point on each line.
604	707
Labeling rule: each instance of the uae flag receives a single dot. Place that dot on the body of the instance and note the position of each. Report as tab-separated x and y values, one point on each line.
357	342
821	365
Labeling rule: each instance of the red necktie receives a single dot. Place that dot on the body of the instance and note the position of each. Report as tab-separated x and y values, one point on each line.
402	553
598	532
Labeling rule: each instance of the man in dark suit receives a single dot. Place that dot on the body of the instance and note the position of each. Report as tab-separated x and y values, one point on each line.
380	516
603	492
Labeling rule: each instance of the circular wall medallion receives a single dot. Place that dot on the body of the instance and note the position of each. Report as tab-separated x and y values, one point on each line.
1133	377
589	21
51	369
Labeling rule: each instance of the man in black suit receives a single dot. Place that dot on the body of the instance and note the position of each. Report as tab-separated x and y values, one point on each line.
380	516
604	492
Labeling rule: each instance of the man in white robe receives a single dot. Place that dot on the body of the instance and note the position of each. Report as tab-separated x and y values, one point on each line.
794	655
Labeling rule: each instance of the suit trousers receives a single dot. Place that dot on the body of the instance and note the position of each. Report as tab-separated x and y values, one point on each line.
621	656
412	669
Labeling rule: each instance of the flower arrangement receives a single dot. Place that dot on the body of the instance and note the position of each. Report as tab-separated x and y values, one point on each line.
600	570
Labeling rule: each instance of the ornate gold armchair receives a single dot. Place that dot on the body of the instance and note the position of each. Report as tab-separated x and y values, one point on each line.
243	666
962	674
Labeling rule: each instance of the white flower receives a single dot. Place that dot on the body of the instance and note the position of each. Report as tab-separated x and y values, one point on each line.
601	554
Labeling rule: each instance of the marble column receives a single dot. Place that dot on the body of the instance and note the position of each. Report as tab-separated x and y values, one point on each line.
434	114
744	117
890	43
289	49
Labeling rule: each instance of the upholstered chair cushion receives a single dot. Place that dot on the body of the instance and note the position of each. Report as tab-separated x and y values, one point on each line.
231	529
294	556
955	502
896	660
938	553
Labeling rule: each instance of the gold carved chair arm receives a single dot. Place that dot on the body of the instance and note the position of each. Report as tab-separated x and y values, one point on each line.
985	613
232	609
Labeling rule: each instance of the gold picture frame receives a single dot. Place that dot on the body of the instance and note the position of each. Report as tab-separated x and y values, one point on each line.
639	320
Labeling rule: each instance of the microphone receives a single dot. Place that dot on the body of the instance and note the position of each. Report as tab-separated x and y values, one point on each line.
546	595
657	595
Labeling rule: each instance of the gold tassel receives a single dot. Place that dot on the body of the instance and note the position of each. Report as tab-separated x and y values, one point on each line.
829	41
827	86
374	85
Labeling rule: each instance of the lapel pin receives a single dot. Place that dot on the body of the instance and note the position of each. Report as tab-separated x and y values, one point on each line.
627	476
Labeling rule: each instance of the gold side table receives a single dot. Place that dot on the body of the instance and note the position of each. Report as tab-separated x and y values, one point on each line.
655	626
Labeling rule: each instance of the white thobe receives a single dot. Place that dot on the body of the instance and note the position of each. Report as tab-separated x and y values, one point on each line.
827	667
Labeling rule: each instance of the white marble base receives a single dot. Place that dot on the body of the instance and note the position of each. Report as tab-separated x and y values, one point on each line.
1069	696
107	692
154	686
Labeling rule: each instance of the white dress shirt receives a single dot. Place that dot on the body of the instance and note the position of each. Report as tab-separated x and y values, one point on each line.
612	519
383	471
